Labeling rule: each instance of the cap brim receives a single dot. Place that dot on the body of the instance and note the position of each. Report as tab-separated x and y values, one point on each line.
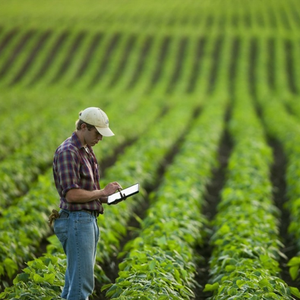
105	131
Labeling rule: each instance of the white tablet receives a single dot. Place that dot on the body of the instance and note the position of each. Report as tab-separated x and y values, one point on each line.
123	194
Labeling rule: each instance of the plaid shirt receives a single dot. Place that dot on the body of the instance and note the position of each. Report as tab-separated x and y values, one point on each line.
76	167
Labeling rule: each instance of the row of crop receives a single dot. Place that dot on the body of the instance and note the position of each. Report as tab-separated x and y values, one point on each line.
59	57
139	163
126	61
290	75
284	66
276	68
13	48
185	66
58	50
161	262
285	129
243	264
246	245
95	59
85	57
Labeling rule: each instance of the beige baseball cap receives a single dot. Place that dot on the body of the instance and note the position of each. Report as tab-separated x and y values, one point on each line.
98	118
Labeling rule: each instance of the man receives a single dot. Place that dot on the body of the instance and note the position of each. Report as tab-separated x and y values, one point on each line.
76	175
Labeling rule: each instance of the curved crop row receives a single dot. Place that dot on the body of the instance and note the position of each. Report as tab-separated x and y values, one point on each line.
286	129
161	261
93	59
244	262
12	50
141	163
96	60
19	55
246	245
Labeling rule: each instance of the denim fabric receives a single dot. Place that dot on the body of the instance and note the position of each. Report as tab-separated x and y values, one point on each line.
78	233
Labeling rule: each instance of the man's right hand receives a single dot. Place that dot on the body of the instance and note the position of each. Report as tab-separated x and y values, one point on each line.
111	188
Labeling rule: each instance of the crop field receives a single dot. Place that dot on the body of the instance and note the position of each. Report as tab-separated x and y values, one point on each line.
204	100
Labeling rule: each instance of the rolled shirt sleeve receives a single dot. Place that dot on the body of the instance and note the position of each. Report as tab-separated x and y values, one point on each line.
68	171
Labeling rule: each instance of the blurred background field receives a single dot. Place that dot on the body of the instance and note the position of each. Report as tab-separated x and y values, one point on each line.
83	53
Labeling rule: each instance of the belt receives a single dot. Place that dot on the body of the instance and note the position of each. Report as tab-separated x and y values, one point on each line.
94	213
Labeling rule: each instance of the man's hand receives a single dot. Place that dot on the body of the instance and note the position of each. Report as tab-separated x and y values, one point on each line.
83	196
111	188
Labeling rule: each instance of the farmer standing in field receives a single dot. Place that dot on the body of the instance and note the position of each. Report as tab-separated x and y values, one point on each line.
76	176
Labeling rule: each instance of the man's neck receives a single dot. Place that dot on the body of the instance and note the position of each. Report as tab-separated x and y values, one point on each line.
79	134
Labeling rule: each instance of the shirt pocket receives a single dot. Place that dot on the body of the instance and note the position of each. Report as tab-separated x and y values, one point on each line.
86	172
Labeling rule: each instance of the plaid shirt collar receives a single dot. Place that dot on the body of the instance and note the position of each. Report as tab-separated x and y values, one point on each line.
75	141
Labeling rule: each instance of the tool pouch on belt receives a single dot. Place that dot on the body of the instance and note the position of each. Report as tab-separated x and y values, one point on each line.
54	215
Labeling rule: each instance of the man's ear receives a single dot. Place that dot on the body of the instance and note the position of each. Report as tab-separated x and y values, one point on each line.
83	126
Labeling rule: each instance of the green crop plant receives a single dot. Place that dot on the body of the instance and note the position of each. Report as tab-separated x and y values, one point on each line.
160	261
246	244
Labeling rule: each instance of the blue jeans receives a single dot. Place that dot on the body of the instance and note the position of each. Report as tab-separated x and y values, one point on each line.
78	233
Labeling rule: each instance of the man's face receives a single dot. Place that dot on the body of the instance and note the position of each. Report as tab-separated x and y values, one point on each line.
92	136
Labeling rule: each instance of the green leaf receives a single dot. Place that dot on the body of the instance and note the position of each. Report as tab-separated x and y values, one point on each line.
21	277
177	275
294	272
162	241
106	286
240	283
10	266
230	268
295	291
49	278
264	283
152	265
38	278
295	261
211	287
